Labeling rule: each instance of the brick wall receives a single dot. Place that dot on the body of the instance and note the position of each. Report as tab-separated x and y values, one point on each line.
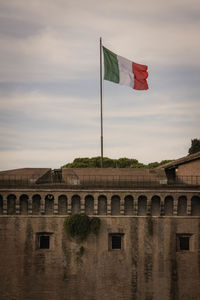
191	168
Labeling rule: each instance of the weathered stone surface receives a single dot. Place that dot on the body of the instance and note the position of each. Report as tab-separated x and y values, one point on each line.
147	267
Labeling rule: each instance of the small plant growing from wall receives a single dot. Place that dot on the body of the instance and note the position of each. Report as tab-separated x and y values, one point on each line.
80	226
81	251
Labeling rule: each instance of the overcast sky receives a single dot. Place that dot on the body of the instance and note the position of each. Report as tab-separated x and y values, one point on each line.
49	80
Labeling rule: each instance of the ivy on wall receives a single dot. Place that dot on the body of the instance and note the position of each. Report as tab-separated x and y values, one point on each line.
80	226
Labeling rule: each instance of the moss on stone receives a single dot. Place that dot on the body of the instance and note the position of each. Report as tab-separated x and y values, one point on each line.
79	226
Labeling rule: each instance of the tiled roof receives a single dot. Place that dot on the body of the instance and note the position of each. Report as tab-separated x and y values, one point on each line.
180	161
27	173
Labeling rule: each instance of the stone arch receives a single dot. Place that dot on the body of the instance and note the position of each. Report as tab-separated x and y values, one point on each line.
128	205
62	205
155	206
195	206
1	205
23	204
76	204
182	206
115	205
142	205
89	205
49	204
36	202
11	204
102	205
168	206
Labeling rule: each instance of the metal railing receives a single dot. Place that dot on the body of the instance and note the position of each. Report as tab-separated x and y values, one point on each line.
185	180
126	181
20	180
97	181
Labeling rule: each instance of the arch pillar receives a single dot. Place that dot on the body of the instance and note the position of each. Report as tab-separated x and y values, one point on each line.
5	205
135	205
109	205
55	204
82	202
95	205
69	206
30	204
162	209
17	206
122	205
189	205
175	208
42	208
148	212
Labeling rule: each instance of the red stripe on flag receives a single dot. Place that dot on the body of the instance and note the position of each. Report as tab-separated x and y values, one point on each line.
140	76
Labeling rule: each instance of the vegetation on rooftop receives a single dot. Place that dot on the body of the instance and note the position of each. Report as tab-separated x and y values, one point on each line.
124	162
195	146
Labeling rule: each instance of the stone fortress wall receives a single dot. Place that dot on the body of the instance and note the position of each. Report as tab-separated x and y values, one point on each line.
149	264
148	246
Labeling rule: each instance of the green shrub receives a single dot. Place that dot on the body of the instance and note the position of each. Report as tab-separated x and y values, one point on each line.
79	226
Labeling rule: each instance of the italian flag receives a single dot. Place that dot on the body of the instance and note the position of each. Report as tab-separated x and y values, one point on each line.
123	71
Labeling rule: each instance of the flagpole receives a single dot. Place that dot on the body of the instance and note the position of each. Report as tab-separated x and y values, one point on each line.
101	104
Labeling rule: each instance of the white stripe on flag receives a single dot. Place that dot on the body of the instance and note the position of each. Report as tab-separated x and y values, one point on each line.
126	76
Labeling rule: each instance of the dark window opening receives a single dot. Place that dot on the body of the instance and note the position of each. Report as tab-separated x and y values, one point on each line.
115	241
183	242
44	242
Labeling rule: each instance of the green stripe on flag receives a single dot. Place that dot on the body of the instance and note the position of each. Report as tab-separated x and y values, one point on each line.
111	67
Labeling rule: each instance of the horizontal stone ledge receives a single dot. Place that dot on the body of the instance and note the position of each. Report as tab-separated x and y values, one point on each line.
100	216
103	190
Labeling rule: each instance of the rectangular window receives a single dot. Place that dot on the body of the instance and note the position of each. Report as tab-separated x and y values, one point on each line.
43	240
115	241
183	242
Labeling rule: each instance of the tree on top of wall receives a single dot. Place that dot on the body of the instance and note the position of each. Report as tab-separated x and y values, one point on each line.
195	146
123	162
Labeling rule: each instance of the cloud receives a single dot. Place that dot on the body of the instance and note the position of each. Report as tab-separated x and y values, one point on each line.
41	122
51	40
49	80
